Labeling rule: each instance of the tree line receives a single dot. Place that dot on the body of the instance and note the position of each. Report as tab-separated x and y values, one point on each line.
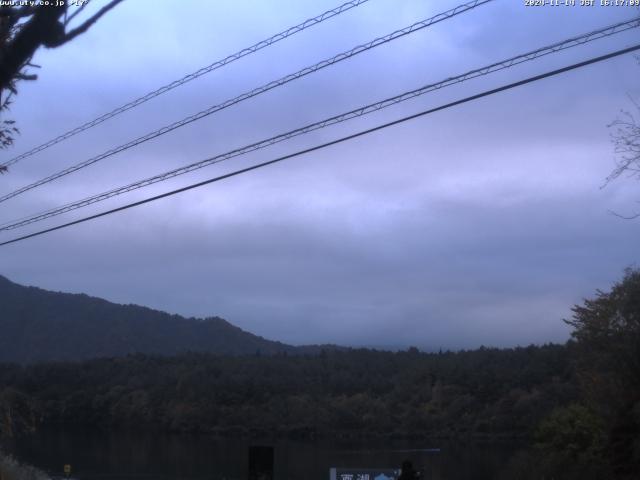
345	393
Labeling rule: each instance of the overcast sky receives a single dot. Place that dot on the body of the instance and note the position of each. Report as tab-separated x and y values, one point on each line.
479	225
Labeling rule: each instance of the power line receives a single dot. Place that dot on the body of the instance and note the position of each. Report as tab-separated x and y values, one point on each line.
529	56
191	76
334	142
257	91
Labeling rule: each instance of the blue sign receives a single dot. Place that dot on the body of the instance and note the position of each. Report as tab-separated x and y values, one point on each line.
363	474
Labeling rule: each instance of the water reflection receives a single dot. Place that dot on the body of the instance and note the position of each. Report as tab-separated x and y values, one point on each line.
128	456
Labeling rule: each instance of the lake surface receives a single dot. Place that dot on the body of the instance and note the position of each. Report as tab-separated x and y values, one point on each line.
124	456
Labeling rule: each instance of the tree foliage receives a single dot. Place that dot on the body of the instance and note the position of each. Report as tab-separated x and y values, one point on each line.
486	392
572	435
626	140
607	336
17	413
607	332
23	30
625	136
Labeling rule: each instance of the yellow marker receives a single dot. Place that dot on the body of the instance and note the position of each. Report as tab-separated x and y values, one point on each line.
67	469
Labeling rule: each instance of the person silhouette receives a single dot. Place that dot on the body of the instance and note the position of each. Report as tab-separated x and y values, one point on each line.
407	472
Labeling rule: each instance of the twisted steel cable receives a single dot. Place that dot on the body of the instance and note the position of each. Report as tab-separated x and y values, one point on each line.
486	93
359	112
252	93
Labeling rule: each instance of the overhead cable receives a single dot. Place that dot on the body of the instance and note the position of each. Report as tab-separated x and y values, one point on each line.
191	76
252	93
333	142
494	67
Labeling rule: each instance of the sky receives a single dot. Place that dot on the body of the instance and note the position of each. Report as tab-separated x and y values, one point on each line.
482	224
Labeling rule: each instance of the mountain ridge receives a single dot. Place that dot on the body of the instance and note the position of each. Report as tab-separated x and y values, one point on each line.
38	325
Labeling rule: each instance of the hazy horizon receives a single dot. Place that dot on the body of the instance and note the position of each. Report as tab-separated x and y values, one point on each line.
373	346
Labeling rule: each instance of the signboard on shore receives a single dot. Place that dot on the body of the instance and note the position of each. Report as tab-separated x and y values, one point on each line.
363	474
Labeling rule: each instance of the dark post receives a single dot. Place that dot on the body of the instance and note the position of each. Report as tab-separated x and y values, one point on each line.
260	463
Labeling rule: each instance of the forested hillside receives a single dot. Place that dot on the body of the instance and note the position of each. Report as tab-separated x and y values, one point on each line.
38	325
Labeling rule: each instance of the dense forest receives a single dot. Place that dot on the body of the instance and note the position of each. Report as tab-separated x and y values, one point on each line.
358	392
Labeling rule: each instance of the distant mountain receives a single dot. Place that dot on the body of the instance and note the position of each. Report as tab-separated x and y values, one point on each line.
39	325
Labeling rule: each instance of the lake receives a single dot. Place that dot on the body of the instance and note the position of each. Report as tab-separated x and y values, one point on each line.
126	456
